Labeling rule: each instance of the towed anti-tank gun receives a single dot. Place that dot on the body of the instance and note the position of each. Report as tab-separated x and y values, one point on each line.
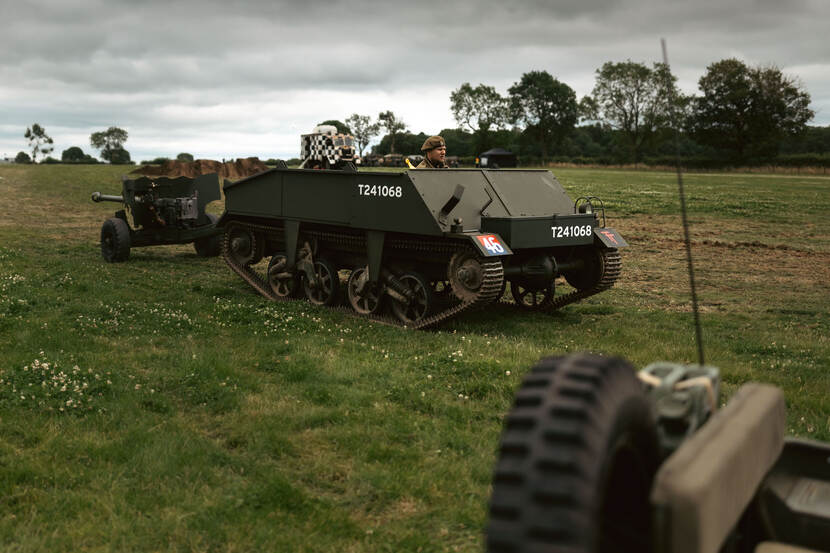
164	211
429	244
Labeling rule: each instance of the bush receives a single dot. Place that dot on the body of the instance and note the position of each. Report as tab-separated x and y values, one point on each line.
22	157
184	157
72	155
119	156
803	160
156	161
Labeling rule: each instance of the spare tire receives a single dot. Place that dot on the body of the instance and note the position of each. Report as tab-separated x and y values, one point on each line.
576	462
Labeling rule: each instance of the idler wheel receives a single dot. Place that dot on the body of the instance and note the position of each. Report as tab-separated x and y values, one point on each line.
326	289
244	246
532	299
592	271
420	302
363	296
465	274
283	283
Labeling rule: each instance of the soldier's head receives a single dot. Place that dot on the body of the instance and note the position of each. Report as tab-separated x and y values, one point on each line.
435	149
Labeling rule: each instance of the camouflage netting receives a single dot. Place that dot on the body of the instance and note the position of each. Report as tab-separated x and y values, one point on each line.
230	170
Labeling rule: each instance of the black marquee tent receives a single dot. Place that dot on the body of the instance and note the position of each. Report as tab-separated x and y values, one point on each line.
497	157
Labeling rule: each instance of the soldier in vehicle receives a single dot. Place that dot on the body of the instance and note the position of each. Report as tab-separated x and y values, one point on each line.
435	152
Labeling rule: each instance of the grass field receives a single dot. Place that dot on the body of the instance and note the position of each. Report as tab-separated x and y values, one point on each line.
186	413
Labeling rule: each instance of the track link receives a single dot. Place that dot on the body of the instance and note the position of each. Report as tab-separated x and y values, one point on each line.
492	269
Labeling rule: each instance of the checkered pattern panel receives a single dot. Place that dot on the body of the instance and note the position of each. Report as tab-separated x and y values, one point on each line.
314	146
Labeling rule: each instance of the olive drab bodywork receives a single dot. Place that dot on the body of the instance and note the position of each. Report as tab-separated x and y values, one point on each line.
164	211
430	243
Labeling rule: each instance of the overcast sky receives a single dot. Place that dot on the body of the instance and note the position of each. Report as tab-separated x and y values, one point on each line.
225	79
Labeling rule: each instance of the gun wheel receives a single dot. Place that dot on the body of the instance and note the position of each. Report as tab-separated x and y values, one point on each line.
210	246
115	240
577	460
367	301
283	283
327	288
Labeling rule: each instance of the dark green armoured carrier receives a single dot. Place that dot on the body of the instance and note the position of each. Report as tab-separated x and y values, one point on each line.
430	244
164	211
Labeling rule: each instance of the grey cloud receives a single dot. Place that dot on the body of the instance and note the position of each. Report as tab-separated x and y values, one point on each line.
93	63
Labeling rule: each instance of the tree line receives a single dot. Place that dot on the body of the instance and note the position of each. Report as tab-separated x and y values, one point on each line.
110	143
743	115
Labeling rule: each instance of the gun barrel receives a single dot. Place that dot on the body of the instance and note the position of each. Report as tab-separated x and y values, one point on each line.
98	197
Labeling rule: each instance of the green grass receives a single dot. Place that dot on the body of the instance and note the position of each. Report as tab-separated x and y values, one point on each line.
209	419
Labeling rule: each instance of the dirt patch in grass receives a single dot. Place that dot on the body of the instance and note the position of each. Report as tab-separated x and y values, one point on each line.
728	269
230	169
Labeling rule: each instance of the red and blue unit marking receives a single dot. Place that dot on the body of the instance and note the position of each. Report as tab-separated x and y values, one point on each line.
491	245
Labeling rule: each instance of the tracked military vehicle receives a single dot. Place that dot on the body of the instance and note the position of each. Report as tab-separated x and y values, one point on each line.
427	244
164	211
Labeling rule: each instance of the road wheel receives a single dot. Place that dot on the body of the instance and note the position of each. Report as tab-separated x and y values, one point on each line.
209	246
282	283
369	300
577	460
115	240
421	299
327	288
531	299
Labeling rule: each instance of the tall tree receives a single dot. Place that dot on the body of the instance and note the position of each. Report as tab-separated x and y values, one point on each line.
393	126
547	106
480	109
633	99
109	141
748	111
39	141
363	130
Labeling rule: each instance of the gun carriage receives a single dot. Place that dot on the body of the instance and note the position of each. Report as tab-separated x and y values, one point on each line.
164	211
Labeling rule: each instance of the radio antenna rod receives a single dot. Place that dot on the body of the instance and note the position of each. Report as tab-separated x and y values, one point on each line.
686	239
